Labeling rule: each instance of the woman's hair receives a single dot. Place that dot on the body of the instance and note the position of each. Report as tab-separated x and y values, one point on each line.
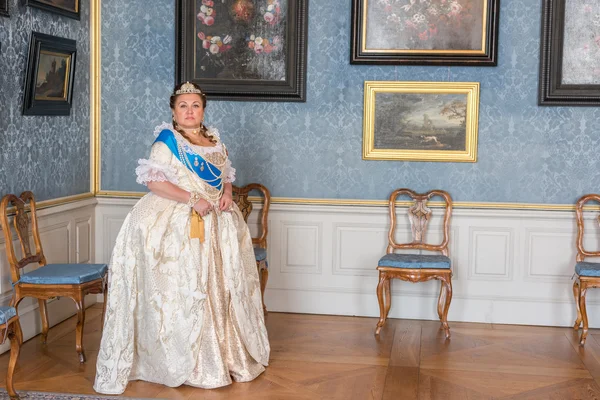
186	88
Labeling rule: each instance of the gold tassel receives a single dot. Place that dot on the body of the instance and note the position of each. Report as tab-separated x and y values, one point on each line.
197	226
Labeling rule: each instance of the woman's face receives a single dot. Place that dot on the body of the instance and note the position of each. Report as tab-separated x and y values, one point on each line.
188	111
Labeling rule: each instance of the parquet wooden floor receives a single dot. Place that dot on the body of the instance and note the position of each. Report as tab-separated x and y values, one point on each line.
333	357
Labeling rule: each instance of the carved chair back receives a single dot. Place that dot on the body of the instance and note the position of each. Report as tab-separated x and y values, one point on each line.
240	197
581	252
21	223
419	215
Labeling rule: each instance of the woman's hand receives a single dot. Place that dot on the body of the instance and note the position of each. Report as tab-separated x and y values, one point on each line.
202	207
226	201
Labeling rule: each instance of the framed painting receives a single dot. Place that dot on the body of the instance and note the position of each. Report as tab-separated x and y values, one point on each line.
421	121
243	49
570	53
68	8
4	8
425	32
49	76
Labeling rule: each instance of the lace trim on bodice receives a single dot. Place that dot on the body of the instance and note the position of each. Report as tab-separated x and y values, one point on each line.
213	154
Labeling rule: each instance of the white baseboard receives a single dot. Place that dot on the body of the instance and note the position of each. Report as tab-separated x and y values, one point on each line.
510	266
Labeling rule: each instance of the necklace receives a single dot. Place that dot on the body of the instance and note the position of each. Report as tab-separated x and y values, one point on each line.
193	132
184	148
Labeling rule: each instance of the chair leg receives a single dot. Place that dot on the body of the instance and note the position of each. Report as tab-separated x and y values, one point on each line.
441	300
264	277
387	300
79	303
380	289
44	316
576	294
447	282
16	339
583	290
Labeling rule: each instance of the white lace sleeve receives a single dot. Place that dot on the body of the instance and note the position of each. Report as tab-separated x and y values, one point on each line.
229	172
158	168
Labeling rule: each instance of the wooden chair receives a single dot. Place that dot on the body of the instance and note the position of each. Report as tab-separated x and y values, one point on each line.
10	326
587	274
240	196
49	280
416	267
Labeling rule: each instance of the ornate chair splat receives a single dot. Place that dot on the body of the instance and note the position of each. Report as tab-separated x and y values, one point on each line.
416	267
587	274
240	197
74	281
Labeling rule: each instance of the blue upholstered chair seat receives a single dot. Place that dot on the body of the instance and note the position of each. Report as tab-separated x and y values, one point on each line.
587	268
415	261
65	274
6	313
260	254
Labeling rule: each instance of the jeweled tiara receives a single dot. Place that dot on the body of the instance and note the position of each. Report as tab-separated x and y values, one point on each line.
188	88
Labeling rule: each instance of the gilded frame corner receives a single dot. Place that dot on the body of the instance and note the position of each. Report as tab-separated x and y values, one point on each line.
469	154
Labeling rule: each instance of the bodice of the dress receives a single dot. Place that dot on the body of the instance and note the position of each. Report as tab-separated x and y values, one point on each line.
171	151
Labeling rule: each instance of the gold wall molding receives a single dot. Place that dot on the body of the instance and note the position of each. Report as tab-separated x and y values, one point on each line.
384	203
63	200
95	96
120	194
59	201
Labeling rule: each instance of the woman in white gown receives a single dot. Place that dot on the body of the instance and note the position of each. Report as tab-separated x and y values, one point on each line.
184	303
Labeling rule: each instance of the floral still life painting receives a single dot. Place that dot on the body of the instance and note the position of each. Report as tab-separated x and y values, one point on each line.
453	32
257	38
426	24
570	53
234	46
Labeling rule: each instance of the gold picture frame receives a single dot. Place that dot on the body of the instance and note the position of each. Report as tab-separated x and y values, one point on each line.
421	121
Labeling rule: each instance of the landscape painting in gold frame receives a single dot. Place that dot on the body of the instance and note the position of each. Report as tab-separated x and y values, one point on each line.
420	121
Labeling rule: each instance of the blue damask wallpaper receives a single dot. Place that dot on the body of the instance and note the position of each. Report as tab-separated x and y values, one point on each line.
48	155
526	153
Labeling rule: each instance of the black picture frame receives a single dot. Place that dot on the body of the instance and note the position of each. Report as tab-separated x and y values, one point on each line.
54	95
54	7
4	8
360	54
551	89
291	88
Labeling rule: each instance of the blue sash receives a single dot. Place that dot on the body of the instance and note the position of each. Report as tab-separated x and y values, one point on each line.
206	173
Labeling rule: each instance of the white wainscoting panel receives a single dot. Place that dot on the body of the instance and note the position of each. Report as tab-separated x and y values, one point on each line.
550	254
110	214
491	253
301	247
352	260
67	235
83	249
510	266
